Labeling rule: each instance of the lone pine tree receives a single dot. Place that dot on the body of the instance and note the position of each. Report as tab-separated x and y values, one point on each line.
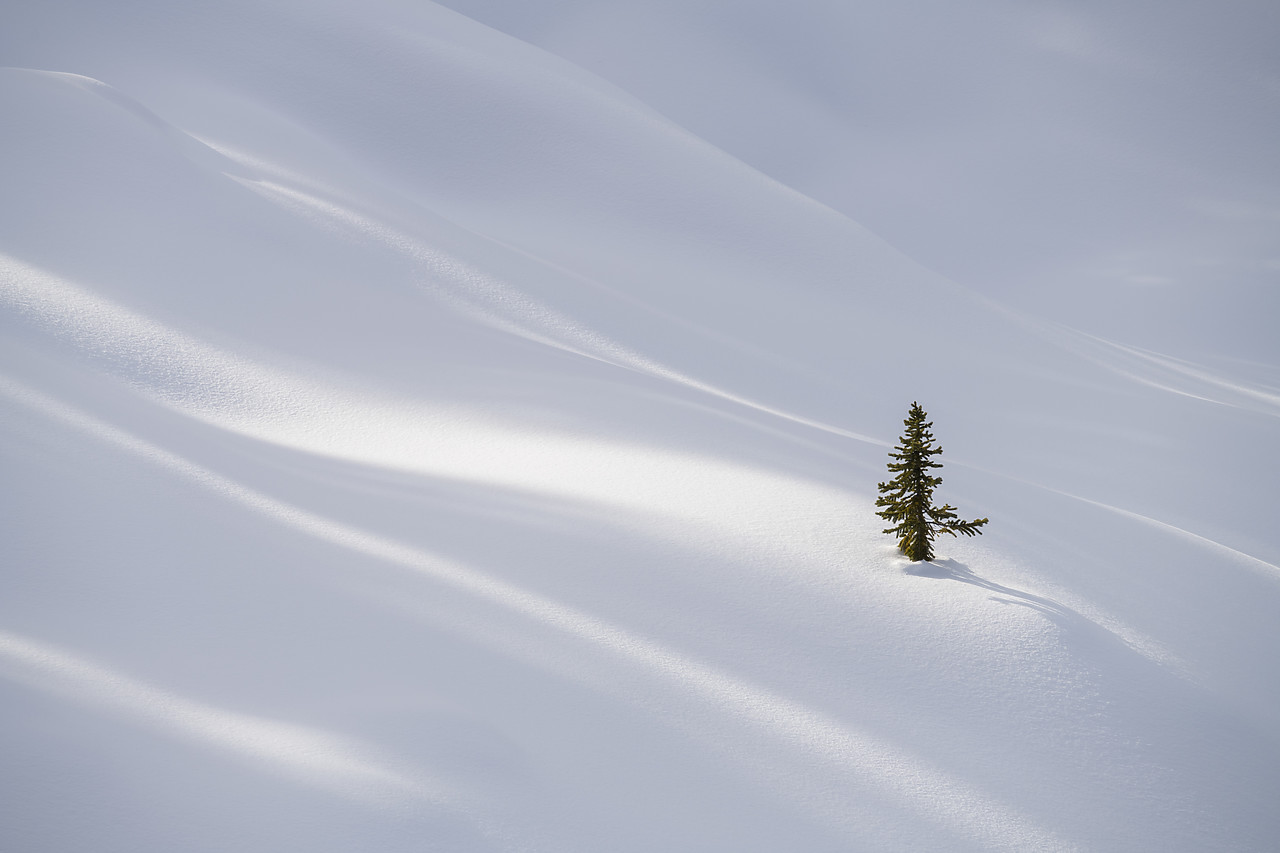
908	498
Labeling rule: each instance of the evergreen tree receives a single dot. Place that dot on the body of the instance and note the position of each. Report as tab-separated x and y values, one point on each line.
908	498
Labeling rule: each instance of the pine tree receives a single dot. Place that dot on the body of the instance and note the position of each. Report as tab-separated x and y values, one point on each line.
908	498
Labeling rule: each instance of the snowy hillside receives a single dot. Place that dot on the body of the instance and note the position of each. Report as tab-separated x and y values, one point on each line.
413	441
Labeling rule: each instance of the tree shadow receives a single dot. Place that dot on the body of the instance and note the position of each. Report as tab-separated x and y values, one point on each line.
949	569
1081	634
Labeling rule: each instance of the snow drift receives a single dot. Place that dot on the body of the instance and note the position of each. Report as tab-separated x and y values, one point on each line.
413	442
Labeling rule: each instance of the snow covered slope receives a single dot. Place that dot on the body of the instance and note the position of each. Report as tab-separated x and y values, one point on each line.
413	442
1111	163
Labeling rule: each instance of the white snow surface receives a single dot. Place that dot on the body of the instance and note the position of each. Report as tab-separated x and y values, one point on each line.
413	441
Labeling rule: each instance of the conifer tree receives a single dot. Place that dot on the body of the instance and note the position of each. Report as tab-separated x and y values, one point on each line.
908	498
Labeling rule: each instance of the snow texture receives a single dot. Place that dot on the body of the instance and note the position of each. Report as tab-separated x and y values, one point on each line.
413	440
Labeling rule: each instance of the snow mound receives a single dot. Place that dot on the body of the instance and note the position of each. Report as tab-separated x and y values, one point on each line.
415	442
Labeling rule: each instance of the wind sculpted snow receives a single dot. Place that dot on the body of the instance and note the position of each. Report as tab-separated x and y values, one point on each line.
413	442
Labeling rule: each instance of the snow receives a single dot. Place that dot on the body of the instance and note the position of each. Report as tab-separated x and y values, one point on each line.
414	441
1119	155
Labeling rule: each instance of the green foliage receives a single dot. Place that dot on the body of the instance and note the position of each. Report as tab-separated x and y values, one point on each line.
908	498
